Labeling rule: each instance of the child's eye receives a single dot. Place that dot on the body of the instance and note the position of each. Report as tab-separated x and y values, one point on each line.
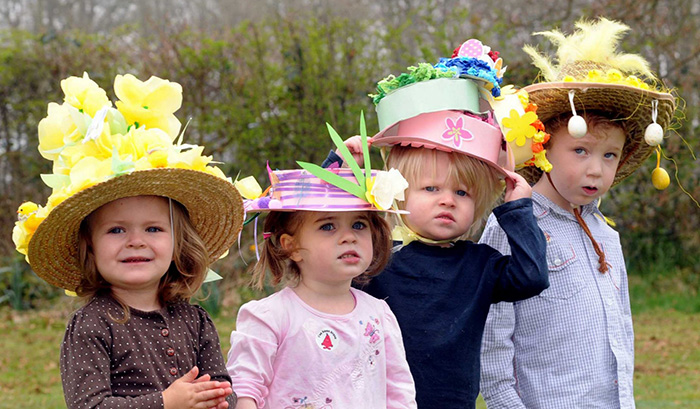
116	230
327	227
462	193
153	229
430	188
610	155
580	151
359	225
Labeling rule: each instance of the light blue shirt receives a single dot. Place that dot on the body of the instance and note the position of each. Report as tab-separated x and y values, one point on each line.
572	346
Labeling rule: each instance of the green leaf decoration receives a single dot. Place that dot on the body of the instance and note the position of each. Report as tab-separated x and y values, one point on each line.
365	148
55	181
334	179
345	152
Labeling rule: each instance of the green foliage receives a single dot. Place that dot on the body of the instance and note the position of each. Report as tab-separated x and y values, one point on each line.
20	288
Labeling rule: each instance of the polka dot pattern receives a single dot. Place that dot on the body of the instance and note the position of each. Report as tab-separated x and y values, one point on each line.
128	365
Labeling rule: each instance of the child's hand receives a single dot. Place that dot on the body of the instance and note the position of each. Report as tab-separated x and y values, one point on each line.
191	393
516	187
354	145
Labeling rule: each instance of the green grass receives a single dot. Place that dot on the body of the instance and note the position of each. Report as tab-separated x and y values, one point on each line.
667	364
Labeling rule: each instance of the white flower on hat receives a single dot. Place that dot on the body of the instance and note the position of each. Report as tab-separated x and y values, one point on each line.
386	187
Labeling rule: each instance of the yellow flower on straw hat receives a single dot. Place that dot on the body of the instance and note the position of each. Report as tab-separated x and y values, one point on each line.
101	154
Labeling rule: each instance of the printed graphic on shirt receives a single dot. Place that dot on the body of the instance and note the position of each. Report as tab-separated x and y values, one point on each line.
326	339
303	403
371	330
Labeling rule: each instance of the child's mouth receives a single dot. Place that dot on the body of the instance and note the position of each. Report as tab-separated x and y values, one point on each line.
445	217
350	256
136	260
590	190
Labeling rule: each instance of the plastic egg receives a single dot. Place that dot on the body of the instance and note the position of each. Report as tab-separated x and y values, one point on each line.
660	178
577	126
654	134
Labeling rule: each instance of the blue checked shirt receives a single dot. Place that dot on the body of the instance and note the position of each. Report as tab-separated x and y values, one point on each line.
572	346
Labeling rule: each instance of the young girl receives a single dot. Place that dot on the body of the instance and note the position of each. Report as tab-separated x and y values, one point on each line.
134	236
318	343
438	284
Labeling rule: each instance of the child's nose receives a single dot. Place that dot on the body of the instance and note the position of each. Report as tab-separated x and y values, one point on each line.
135	240
447	198
348	236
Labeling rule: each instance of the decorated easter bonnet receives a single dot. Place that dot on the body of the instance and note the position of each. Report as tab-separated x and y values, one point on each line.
591	76
313	188
101	154
439	106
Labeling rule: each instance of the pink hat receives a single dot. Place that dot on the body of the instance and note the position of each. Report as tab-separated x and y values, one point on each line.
452	131
298	189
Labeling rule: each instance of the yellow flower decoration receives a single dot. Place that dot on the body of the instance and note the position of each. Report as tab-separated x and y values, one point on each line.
57	129
89	144
150	103
84	94
248	187
520	127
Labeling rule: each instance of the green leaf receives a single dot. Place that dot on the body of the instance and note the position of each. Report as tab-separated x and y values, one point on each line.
365	148
333	179
55	181
345	152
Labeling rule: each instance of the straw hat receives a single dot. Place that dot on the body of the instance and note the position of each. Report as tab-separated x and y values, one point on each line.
103	154
600	80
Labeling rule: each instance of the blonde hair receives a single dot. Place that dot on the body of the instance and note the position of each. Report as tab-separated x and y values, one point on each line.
483	180
282	268
182	280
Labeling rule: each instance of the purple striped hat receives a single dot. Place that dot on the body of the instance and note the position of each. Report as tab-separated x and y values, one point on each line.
298	189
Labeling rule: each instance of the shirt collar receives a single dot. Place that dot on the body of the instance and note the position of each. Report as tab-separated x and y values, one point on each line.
542	206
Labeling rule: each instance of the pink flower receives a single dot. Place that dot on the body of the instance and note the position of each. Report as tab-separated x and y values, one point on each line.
455	132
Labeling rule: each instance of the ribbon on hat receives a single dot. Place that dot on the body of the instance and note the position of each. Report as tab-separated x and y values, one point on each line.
405	235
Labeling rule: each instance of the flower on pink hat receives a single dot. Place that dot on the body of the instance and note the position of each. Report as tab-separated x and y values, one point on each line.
455	132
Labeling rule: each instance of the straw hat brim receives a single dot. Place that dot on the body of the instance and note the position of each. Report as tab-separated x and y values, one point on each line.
214	206
626	103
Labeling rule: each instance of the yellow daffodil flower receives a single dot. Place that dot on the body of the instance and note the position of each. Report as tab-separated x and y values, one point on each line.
248	187
84	94
150	103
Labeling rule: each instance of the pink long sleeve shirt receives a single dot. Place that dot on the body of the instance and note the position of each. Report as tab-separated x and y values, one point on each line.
285	354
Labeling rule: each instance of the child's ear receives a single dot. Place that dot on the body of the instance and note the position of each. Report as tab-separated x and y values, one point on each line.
289	245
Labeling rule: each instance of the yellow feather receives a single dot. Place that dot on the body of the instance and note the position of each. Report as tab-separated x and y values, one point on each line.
592	40
542	62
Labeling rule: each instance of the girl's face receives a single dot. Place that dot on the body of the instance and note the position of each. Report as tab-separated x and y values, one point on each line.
440	210
132	243
331	248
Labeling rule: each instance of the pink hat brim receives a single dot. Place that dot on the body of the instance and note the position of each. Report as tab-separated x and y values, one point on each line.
449	131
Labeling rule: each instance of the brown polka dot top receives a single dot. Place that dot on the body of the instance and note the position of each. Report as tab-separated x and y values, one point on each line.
112	365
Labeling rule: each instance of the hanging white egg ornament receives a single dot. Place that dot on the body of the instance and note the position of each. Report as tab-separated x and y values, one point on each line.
660	178
577	126
654	134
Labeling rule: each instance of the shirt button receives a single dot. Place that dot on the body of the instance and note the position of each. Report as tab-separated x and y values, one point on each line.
557	262
173	371
164	332
170	351
608	301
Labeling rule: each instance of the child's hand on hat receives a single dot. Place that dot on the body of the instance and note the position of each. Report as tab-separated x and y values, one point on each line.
354	145
188	392
516	187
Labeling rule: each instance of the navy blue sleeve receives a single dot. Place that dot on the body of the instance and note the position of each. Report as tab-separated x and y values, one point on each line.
525	272
331	159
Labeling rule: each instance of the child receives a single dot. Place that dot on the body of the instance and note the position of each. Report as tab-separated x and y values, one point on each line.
439	285
132	225
318	343
573	345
